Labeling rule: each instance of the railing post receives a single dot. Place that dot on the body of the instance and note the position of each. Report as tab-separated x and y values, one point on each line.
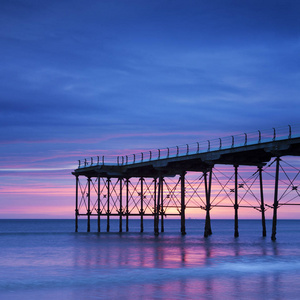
275	205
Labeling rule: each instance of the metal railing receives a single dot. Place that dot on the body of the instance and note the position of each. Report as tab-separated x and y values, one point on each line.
233	141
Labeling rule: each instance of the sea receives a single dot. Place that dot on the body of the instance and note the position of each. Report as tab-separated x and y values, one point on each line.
46	259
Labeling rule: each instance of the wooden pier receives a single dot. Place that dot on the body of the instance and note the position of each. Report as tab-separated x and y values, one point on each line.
156	183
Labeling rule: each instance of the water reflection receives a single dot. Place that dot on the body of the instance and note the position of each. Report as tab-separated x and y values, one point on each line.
164	251
173	266
143	266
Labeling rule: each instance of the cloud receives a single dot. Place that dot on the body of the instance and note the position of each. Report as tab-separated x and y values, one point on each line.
90	78
96	68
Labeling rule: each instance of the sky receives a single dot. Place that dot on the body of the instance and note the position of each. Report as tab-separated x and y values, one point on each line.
88	78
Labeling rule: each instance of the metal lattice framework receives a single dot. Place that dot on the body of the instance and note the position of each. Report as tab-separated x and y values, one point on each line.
124	198
255	176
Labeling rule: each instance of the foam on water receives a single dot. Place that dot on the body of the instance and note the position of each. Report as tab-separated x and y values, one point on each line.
140	275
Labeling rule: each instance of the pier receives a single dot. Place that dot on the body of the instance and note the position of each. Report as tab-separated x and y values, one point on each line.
225	173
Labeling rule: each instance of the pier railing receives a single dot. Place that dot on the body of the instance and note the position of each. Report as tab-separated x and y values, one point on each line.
233	141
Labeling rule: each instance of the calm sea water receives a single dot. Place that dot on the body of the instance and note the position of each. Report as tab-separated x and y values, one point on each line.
45	259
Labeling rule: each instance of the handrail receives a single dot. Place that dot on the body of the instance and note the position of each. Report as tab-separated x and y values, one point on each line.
229	142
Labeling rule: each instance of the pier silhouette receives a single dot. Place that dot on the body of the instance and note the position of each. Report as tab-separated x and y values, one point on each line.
156	183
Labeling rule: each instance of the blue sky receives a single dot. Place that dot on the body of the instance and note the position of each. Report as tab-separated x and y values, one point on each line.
82	78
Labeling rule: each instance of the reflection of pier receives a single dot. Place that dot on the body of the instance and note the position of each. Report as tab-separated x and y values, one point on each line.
166	182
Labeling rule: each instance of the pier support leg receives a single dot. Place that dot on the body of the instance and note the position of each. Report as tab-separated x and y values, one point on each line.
142	204
76	205
108	200
155	207
89	206
98	202
182	211
158	208
121	209
236	205
127	204
162	227
275	205
207	229
262	203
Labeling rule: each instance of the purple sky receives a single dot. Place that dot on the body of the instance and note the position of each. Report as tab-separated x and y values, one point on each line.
82	78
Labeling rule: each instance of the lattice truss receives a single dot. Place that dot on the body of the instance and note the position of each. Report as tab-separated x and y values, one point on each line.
83	196
288	185
109	196
248	185
106	195
141	193
171	195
